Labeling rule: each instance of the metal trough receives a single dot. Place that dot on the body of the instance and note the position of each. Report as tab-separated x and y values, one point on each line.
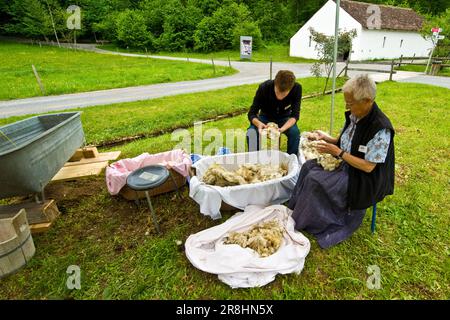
33	150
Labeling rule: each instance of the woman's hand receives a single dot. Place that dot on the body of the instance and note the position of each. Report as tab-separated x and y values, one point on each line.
322	135
324	147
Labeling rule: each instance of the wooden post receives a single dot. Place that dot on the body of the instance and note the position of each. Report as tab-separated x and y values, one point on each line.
346	67
214	67
270	68
392	70
412	60
401	60
146	52
229	62
38	79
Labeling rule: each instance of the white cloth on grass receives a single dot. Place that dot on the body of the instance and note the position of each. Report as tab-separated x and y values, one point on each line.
243	267
265	193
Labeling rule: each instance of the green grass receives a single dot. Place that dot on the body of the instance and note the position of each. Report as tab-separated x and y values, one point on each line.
109	122
106	236
68	71
444	72
278	52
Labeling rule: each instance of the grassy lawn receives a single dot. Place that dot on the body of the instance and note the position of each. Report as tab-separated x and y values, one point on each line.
444	72
278	52
151	116
121	257
68	71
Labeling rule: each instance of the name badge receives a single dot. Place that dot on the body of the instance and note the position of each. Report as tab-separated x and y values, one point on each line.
362	149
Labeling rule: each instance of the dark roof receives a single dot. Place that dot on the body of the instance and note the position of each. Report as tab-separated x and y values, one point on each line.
392	18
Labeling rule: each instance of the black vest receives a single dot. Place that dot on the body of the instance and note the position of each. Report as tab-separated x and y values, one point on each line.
366	189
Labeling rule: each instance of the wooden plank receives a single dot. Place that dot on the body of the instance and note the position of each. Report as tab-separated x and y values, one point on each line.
80	171
90	152
77	156
369	70
36	212
105	156
87	152
40	227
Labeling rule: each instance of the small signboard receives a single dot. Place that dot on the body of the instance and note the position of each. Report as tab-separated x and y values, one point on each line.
246	47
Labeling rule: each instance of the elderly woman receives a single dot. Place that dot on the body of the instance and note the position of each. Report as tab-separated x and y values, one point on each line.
331	204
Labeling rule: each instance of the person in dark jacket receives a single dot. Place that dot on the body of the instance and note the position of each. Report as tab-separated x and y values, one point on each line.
331	204
276	101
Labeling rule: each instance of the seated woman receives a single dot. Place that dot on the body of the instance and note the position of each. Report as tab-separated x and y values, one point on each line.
331	204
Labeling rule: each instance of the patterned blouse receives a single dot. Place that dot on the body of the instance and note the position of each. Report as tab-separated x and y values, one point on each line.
377	147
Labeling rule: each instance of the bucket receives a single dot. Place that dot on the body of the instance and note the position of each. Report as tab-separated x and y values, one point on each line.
16	243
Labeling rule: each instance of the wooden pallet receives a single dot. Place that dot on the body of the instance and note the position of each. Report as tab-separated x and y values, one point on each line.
90	163
40	216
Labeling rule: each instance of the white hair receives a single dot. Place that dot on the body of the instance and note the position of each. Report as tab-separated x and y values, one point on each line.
362	87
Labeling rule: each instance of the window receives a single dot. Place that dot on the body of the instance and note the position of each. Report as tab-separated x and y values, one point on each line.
310	40
384	41
401	43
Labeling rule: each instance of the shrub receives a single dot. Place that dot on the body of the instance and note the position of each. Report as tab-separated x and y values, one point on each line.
216	32
247	28
131	29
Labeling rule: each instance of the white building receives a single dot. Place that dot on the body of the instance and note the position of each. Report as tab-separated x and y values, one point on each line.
383	32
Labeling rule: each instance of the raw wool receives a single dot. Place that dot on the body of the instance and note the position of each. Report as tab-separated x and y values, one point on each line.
217	175
245	174
326	160
265	238
271	131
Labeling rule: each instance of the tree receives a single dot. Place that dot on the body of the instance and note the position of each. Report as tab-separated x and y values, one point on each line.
131	29
31	18
325	48
180	23
247	28
207	7
443	21
216	32
154	14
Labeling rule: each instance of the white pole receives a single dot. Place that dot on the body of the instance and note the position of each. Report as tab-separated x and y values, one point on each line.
431	54
336	36
53	24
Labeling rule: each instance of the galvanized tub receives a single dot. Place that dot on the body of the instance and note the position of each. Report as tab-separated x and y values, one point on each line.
33	150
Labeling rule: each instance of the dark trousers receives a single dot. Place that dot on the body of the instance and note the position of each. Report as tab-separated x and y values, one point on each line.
293	135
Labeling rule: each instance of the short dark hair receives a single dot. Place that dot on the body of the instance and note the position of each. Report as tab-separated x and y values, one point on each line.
285	80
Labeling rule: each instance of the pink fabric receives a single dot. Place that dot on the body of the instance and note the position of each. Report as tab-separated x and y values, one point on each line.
117	172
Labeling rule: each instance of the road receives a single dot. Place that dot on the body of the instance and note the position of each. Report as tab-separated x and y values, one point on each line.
249	73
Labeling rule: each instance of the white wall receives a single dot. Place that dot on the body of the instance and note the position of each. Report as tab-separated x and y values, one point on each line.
368	44
323	21
371	45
